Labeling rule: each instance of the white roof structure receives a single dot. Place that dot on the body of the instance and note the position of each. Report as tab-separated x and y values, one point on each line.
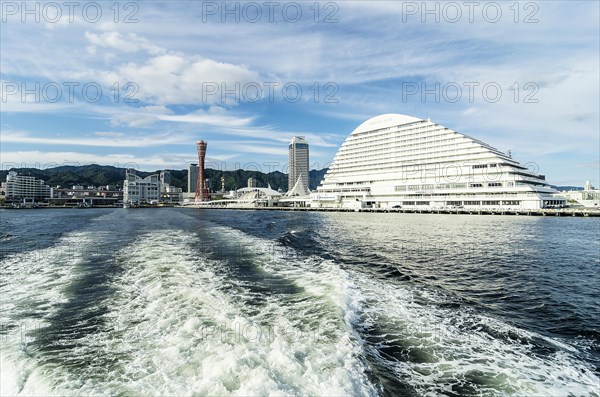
384	121
298	189
263	191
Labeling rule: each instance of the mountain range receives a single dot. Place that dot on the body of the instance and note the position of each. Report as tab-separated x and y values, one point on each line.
100	175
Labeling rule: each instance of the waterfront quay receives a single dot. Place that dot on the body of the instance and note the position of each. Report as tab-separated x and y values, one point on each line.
580	212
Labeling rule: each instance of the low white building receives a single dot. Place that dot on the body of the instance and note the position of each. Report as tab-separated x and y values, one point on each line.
170	194
588	197
257	197
137	190
152	189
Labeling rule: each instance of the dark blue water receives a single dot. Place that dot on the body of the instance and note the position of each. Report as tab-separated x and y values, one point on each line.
184	301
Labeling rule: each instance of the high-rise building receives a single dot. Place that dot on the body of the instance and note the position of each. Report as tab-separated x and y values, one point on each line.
395	160
165	177
201	189
192	178
298	162
252	182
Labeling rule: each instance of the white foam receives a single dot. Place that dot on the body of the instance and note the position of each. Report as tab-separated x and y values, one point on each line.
34	288
453	345
180	332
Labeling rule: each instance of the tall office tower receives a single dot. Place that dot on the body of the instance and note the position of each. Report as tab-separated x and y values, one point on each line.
165	177
192	178
201	190
298	162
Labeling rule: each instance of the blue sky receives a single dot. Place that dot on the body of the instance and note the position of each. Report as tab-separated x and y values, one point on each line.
363	59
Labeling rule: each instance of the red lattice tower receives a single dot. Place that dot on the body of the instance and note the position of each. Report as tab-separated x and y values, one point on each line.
201	189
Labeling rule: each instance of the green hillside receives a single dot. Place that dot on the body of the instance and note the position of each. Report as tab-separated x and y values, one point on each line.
98	175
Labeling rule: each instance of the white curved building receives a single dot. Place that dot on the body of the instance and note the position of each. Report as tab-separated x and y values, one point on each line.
397	160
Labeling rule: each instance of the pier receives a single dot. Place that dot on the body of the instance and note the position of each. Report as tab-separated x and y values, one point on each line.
572	212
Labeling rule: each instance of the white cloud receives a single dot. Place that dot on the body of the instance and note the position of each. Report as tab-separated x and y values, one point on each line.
592	164
104	140
157	109
126	43
134	120
39	159
180	79
146	116
108	133
217	119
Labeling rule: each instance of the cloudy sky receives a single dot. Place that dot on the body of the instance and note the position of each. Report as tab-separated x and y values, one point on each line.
137	83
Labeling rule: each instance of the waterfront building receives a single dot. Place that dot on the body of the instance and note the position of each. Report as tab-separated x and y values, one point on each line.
170	194
394	160
252	182
25	189
165	177
192	178
256	197
137	190
588	197
77	196
298	162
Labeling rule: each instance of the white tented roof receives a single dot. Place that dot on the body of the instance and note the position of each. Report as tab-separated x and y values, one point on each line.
263	190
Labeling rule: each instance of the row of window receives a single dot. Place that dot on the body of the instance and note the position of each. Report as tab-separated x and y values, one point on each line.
403	127
422	157
498	194
449	186
467	203
355	150
402	136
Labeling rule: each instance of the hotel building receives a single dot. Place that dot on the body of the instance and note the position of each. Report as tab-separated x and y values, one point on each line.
298	163
25	188
395	160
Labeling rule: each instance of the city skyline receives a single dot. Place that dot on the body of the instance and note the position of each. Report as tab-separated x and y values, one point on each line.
185	81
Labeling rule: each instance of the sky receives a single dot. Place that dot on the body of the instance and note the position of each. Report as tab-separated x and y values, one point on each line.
135	84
